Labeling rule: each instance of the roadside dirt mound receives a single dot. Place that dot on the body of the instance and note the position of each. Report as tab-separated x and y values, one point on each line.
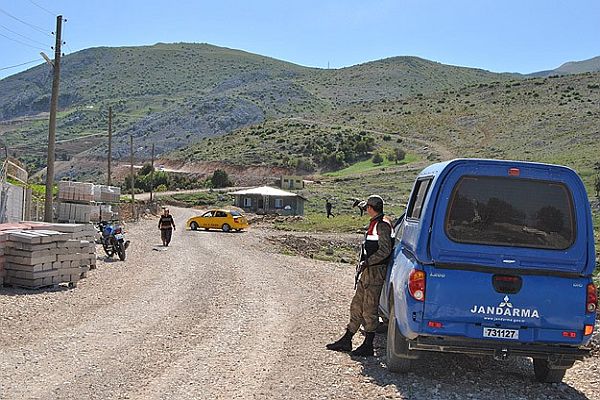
321	248
243	175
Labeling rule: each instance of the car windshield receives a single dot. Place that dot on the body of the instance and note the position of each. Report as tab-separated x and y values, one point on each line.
513	212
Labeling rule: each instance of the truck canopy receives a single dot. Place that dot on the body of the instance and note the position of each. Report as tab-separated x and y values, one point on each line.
526	217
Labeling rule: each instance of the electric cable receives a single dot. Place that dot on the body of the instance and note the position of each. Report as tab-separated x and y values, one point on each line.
19	65
42	8
23	36
32	26
23	43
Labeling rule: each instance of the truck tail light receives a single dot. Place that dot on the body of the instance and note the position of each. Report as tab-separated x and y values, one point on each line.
416	284
434	324
588	330
591	303
569	334
514	172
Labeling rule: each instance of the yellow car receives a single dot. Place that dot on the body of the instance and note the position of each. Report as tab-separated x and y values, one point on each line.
225	220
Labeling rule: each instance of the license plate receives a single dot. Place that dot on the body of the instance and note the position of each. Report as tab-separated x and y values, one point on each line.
118	236
498	333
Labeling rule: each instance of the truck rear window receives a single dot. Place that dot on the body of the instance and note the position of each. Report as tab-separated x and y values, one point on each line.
511	212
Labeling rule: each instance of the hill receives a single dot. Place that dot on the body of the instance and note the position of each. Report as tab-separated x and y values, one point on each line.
173	95
572	67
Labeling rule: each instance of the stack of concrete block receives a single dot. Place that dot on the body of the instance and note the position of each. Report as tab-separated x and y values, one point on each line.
39	258
76	191
104	212
74	212
107	194
73	231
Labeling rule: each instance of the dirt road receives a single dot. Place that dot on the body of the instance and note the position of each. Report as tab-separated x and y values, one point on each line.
222	316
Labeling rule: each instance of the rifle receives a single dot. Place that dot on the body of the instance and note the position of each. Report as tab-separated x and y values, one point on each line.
361	266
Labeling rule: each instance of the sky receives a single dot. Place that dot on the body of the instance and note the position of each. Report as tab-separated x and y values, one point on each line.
497	35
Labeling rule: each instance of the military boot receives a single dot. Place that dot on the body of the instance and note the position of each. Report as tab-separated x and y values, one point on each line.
343	344
365	349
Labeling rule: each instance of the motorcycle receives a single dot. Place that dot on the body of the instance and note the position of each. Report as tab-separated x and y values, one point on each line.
112	239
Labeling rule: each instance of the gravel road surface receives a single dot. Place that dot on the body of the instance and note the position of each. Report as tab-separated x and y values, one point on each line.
222	316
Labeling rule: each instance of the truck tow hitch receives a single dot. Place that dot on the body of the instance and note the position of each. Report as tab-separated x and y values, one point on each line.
501	354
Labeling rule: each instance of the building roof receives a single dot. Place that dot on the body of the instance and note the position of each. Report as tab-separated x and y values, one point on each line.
267	191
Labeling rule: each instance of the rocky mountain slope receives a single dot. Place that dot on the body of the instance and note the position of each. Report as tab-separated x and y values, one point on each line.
175	94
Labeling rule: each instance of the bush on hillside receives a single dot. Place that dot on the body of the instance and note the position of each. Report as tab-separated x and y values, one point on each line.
220	179
377	159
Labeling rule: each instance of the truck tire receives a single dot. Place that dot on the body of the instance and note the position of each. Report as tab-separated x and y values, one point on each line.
396	345
544	373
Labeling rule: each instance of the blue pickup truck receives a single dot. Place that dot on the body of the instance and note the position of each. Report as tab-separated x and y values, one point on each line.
493	258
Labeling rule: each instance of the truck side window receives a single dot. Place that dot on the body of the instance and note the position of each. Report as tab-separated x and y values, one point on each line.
418	198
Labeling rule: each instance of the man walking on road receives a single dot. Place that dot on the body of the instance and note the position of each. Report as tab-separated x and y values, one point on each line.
166	224
370	276
328	207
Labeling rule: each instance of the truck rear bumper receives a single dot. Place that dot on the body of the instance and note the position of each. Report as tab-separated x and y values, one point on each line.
498	349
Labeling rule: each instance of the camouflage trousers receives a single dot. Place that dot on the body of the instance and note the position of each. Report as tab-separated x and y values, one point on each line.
364	309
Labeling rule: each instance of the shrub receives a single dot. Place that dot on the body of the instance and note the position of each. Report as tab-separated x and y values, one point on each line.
377	159
220	179
399	154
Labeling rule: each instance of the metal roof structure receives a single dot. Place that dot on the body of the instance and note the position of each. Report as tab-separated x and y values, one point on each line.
267	191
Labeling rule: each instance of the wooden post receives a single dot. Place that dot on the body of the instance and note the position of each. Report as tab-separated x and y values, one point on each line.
132	177
109	144
48	206
152	174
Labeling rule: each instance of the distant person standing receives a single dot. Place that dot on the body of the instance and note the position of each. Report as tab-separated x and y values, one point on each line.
166	224
328	207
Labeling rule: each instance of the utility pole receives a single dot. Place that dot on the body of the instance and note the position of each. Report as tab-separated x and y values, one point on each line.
109	143
48	213
152	174
131	176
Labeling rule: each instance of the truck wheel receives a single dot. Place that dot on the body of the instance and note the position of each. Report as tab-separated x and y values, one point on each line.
544	373
396	345
194	226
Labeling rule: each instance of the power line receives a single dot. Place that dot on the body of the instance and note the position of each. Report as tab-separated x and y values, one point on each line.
42	8
19	65
23	43
23	36
37	28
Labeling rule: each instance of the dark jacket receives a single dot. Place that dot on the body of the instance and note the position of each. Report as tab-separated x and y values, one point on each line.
166	222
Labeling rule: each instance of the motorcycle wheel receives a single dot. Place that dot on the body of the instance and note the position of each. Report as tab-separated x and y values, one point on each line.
120	249
108	249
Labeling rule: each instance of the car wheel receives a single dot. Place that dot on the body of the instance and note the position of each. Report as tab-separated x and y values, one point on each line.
396	346
545	373
226	228
194	226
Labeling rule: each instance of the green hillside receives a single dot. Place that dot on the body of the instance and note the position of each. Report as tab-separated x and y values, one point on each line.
173	95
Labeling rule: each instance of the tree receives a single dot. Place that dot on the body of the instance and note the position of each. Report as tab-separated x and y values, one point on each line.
220	179
400	154
146	169
377	159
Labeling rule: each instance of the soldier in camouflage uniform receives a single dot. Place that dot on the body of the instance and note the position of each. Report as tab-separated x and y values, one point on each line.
371	272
